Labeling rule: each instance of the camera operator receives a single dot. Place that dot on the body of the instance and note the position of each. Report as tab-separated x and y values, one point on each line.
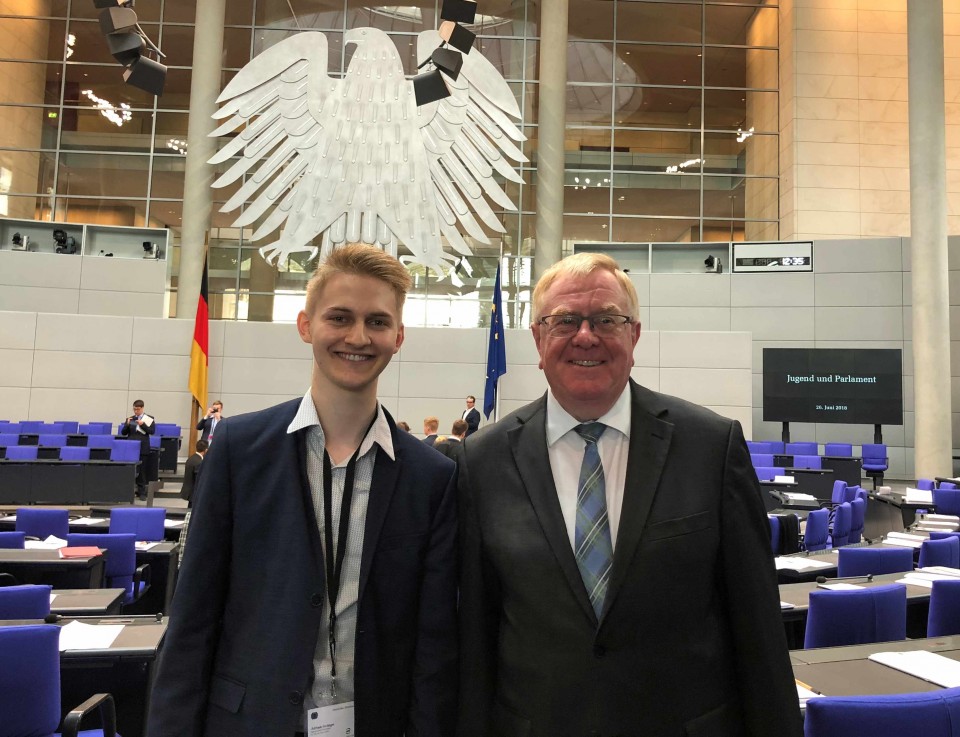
209	423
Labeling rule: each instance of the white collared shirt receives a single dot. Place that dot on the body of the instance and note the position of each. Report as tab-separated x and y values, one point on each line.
565	449
379	435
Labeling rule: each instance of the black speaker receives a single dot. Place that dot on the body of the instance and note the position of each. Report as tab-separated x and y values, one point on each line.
147	75
125	47
105	3
429	87
462	11
117	20
448	62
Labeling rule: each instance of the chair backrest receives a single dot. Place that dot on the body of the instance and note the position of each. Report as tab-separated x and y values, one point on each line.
25	602
931	714
774	533
96	428
838	496
861	494
31	426
125	451
863	561
758	446
121	550
9	438
815	534
842	522
802	449
168	430
12	539
29	679
925	484
858	513
100	441
56	441
21	452
938	535
946	501
807	462
945	552
42	522
877	614
767	473
146	523
946	485
874	456
155	441
944	615
850	493
74	453
762	459
838	450
69	426
10	428
776	446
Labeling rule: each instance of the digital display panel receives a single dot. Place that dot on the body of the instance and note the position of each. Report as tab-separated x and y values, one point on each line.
852	386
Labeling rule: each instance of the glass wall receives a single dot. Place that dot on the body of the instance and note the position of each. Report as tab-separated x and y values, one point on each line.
671	131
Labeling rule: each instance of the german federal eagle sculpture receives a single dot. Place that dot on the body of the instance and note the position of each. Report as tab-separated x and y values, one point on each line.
355	159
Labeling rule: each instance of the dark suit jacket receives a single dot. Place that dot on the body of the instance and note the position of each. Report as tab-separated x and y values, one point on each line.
473	421
449	447
690	642
130	430
430	439
204	426
238	655
190	470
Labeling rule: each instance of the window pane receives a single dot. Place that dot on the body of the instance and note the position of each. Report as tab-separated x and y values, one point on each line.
587	148
310	14
679	23
177	44
727	110
583	229
394	18
101	211
87	129
723	197
741	25
28	127
656	194
656	150
27	172
591	20
653	230
145	11
34	84
25	208
238	12
106	83
659	107
103	175
667	65
589	62
36	39
589	104
587	194
508	55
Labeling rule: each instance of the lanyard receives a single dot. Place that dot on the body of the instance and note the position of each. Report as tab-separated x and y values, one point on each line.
333	559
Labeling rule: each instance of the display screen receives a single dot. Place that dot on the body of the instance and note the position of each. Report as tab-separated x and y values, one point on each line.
775	261
853	386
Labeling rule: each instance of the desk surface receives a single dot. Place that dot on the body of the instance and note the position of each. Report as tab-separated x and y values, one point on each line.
76	602
798	594
51	557
140	635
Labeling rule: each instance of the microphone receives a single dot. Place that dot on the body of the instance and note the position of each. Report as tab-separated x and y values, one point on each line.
824	579
51	618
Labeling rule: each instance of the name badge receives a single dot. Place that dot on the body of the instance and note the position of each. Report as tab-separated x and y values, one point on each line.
331	721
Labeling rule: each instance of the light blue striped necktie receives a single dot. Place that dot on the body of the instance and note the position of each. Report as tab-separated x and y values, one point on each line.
592	543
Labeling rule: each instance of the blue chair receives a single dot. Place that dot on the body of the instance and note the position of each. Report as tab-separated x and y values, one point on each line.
12	540
774	533
761	459
776	447
74	453
100	441
945	552
767	473
8	439
944	615
758	446
925	484
30	687
120	569
931	714
146	523
854	492
32	427
877	614
155	442
168	430
815	533
945	485
807	462
25	602
863	561
125	451
858	513
21	452
936	535
839	493
55	441
9	428
838	450
947	501
842	522
874	461
802	449
42	522
96	428
70	427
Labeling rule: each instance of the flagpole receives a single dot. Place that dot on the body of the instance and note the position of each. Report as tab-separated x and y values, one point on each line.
496	409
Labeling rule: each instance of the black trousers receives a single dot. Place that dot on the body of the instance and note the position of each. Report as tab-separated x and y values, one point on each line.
142	476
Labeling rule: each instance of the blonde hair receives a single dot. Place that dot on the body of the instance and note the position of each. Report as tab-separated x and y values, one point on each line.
359	260
582	264
431	423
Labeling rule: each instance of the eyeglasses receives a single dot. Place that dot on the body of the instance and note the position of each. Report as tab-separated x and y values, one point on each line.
566	325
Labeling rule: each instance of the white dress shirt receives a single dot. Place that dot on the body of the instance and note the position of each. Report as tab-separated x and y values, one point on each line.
565	449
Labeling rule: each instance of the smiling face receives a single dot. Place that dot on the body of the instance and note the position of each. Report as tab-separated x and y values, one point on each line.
586	372
355	330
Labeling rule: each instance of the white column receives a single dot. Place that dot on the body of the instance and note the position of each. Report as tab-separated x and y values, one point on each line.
928	240
198	174
552	123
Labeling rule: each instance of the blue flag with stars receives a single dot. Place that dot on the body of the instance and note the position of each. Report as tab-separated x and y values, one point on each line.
496	354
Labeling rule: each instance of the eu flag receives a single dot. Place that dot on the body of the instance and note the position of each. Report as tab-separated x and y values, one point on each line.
496	354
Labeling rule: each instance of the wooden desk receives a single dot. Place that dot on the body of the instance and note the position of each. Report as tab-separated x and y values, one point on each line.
164	560
86	602
46	566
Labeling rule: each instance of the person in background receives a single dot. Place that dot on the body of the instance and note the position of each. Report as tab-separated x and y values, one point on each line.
403	426
471	415
450	445
191	471
430	425
209	423
140	426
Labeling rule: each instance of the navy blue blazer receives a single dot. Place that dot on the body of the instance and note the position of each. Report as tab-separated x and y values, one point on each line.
238	655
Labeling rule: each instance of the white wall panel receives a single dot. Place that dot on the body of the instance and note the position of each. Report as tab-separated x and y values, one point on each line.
442	380
859	323
123	275
51	270
88	333
689	290
14	403
859	290
159	373
775	323
80	370
857	255
705	350
18	330
280	376
445	345
162	337
764	290
134	304
17	368
708	386
263	340
689	318
38	299
97	405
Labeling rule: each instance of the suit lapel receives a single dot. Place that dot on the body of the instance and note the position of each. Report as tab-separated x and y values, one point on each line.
649	443
386	472
529	444
316	549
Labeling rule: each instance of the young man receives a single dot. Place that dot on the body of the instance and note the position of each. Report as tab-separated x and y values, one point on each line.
451	445
617	575
313	505
209	422
430	427
190	471
140	426
471	415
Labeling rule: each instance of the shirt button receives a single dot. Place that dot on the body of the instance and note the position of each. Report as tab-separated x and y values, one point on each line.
599	651
316	600
296	698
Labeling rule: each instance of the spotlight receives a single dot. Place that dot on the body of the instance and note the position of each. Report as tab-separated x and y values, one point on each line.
117	20
448	62
713	264
126	47
127	43
20	242
457	36
65	243
146	74
461	11
429	87
105	4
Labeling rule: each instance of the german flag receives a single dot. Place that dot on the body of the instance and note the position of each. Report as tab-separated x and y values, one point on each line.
200	350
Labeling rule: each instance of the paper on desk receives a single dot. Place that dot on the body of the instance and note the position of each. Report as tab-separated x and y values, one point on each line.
801	563
173	523
922	664
786	605
51	543
88	520
52	597
839	586
9	518
907	536
940	570
918	496
79	636
900	542
942	518
784	480
805	693
145	545
796	497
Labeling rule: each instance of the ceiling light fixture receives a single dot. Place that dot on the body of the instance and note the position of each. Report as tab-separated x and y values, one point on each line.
116	115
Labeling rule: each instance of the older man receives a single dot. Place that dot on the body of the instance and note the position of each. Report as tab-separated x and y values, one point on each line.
617	576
